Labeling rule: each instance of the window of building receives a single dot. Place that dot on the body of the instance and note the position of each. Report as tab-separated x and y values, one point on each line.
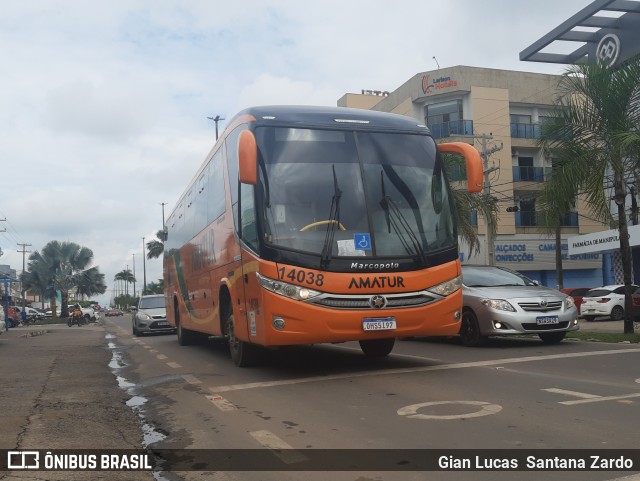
443	112
520	119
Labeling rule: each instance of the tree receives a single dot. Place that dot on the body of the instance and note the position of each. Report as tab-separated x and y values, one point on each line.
597	109
91	282
155	287
125	276
62	266
155	247
37	280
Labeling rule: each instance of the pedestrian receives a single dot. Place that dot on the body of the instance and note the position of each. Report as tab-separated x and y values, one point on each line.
23	316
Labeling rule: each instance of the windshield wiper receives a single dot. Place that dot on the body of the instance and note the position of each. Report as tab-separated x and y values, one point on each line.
332	225
397	221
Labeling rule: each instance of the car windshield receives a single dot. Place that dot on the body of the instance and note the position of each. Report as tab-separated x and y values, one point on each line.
152	303
598	293
382	194
493	277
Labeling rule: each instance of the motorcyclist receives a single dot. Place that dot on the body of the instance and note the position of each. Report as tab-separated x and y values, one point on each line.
77	313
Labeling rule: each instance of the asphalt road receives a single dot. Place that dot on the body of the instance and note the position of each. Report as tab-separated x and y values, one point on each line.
99	386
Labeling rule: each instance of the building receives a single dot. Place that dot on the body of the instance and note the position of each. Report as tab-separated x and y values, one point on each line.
500	112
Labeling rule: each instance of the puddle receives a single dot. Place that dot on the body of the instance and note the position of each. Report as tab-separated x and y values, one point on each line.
116	361
150	434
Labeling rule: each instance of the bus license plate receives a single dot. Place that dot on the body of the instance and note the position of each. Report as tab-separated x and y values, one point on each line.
379	324
543	320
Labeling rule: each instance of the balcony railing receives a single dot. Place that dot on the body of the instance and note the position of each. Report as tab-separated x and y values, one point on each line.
528	219
448	129
525	131
531	174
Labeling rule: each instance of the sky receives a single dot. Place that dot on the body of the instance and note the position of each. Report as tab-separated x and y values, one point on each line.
104	105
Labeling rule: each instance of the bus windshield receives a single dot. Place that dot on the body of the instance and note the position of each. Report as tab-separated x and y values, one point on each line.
351	194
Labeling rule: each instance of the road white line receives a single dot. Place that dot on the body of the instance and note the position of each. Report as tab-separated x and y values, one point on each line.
602	398
410	370
174	365
283	450
161	356
582	395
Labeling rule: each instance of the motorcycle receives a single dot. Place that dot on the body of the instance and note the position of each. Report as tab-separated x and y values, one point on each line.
77	320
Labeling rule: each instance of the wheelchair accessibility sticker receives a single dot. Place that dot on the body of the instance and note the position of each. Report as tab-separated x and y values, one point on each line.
362	241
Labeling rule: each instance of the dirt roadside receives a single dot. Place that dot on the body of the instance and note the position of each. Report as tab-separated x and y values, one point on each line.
58	392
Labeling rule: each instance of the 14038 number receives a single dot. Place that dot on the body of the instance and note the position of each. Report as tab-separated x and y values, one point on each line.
301	276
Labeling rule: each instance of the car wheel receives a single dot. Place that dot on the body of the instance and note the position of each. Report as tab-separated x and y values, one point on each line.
377	348
470	330
135	330
552	337
589	318
617	313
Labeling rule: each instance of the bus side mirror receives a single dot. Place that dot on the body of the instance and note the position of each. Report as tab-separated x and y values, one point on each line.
248	157
472	160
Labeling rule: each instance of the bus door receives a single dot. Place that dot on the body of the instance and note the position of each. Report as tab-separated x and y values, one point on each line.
250	262
248	232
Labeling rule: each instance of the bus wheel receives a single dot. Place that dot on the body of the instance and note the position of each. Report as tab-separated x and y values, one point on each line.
185	336
243	354
377	347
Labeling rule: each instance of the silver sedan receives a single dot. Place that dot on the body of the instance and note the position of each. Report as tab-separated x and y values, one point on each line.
502	302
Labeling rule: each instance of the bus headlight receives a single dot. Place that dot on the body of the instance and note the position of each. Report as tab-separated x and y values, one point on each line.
285	289
447	287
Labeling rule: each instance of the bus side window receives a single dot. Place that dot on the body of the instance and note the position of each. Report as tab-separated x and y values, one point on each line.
248	216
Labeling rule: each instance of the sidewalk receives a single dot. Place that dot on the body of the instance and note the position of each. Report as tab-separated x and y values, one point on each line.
605	325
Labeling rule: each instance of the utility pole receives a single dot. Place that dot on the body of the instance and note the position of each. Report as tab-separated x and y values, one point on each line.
134	274
485	153
216	119
23	251
164	235
144	269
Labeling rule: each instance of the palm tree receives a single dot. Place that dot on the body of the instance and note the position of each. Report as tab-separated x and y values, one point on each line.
91	282
155	287
35	279
61	266
597	108
125	276
155	247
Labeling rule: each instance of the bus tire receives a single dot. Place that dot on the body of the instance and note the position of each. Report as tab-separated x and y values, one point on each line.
242	353
376	348
185	336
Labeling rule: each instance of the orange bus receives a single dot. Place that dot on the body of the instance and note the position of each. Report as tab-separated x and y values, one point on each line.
310	225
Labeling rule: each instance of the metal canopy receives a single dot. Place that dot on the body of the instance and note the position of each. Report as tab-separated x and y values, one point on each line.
606	31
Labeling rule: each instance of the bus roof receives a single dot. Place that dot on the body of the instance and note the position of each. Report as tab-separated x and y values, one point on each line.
333	117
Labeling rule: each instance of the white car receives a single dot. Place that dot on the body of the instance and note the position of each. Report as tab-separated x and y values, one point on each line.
606	301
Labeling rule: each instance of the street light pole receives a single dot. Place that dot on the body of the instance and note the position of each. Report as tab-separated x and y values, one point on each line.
144	269
134	274
216	119
163	226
